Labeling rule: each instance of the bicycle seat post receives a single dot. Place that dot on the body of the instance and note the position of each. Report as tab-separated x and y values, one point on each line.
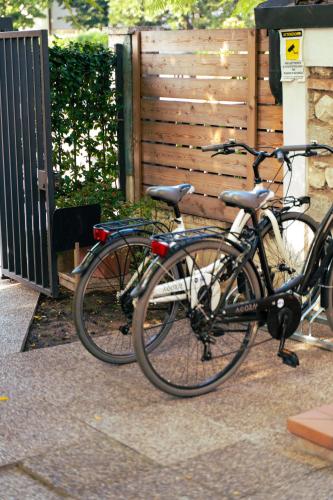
178	216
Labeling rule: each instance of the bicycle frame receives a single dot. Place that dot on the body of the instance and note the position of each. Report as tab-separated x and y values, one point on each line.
188	287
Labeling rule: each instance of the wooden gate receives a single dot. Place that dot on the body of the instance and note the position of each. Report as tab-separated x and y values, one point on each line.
192	88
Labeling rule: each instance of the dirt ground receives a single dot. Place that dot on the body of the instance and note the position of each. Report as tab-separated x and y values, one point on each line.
52	323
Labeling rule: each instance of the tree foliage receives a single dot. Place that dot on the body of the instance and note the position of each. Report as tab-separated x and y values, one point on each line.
23	12
86	13
182	14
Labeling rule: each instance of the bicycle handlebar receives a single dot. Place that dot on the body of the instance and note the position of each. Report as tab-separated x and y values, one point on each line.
305	148
280	153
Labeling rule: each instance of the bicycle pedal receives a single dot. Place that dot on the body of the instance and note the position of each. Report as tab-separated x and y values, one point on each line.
124	329
289	358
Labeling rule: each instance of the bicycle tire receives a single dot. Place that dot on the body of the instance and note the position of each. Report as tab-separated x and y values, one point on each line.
294	225
158	364
102	318
329	291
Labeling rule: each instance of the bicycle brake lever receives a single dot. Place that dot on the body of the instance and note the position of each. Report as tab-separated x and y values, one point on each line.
223	152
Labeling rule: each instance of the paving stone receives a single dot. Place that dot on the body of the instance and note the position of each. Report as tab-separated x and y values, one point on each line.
16	485
66	409
314	484
167	433
92	468
242	469
17	306
28	428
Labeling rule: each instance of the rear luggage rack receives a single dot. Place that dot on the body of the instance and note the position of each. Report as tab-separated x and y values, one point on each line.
178	239
125	227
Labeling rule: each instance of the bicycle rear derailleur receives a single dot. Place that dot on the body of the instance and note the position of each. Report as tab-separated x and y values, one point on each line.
200	323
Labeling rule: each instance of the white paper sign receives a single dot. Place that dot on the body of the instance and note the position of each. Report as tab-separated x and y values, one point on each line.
291	47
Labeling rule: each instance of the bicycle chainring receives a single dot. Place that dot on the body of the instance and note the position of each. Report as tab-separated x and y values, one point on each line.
286	309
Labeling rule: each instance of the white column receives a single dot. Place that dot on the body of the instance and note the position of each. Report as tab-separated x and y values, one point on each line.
295	119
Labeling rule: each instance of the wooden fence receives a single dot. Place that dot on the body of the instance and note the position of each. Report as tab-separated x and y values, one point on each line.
192	88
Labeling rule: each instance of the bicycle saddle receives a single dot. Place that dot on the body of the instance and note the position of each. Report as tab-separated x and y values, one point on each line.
169	194
246	199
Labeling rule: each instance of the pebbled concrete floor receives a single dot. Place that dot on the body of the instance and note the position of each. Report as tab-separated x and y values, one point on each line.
17	306
73	427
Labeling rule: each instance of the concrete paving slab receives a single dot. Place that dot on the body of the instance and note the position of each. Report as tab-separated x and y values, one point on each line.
17	307
93	468
167	434
243	470
16	484
65	407
31	427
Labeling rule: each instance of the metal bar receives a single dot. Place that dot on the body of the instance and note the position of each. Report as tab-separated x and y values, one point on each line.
19	156
26	159
46	105
14	215
137	152
6	159
29	283
40	161
120	117
3	220
33	160
326	344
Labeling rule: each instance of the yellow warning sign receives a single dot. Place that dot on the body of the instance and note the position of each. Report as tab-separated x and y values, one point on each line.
292	50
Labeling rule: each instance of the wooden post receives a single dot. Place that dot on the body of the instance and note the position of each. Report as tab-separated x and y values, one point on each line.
252	108
137	156
120	117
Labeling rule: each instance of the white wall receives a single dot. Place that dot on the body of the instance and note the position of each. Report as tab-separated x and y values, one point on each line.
317	51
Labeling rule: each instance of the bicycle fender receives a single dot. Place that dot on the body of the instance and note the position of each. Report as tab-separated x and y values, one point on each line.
90	256
98	247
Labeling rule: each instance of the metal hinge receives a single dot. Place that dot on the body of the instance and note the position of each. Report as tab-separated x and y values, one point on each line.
42	180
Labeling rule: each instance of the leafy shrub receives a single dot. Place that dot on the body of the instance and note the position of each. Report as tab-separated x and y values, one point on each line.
84	119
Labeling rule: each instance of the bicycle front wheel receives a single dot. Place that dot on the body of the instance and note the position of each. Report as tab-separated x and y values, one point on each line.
201	350
103	306
297	231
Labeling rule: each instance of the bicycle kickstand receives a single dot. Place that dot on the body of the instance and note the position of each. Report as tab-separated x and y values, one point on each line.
288	357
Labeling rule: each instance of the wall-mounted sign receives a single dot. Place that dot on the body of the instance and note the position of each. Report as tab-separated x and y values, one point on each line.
292	65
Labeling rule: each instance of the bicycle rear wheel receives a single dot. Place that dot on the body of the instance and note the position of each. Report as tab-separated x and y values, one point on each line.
103	306
200	350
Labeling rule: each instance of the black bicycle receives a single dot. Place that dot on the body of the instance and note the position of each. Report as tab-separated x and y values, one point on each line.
220	297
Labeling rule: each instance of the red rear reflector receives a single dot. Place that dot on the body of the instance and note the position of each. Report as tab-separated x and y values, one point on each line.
159	248
100	234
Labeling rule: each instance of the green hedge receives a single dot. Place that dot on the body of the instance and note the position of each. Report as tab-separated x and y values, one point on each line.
84	123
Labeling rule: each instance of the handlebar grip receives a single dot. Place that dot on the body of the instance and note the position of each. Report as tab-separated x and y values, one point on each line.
212	147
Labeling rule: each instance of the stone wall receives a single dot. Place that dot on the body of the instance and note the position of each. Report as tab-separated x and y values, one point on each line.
320	88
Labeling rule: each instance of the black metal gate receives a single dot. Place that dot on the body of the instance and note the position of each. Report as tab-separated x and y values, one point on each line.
26	178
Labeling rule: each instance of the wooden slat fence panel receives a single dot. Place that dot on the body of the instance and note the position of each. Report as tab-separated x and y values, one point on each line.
196	89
